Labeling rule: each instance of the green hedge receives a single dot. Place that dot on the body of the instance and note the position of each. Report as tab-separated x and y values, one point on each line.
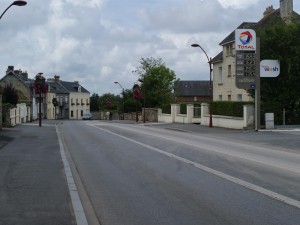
234	109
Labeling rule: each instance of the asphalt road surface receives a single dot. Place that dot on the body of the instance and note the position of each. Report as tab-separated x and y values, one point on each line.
149	175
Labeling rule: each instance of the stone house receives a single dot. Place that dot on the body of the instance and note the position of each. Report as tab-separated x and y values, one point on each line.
24	86
224	87
64	100
72	99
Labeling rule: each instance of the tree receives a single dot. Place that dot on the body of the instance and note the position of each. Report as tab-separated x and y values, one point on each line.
109	102
94	103
10	95
280	40
157	81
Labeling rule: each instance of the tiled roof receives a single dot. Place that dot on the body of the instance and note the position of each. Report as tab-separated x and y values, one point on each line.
73	86
218	58
65	87
193	88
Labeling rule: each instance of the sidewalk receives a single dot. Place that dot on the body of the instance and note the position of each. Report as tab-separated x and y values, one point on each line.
33	187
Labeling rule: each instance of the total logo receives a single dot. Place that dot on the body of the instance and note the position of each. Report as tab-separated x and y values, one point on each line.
245	39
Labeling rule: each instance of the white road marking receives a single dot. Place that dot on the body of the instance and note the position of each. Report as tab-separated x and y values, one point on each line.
276	162
76	202
235	180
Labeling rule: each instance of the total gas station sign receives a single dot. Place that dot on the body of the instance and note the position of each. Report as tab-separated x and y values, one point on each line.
245	58
245	40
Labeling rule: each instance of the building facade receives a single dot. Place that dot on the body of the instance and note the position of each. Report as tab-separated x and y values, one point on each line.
64	100
224	87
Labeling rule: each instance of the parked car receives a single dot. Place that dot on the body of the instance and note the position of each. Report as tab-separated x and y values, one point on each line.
87	116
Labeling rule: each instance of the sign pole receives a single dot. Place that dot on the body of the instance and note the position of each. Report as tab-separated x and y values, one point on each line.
257	89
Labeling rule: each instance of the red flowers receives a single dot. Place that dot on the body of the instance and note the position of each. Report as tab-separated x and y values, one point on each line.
137	94
40	85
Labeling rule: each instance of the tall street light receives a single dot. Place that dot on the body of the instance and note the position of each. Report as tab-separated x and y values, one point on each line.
40	87
116	82
210	83
17	3
144	97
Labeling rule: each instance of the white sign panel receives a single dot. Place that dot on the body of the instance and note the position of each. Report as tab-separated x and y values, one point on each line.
269	68
245	40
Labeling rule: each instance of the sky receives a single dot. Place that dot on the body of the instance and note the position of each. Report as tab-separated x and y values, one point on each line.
99	42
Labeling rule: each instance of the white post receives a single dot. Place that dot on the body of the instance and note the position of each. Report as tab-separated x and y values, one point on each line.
190	113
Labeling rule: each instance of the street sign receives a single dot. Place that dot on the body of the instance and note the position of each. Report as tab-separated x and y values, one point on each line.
245	59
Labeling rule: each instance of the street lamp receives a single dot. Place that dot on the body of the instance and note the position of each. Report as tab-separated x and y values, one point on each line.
144	97
40	87
17	3
210	84
116	82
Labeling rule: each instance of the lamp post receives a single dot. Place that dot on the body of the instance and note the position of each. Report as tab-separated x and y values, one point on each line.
136	95
144	97
210	83
17	3
116	82
40	87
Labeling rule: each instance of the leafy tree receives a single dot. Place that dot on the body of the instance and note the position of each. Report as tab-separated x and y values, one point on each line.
157	81
280	40
109	102
128	101
94	101
10	95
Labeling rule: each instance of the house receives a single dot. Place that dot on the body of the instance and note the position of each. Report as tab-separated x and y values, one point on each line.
64	100
24	86
224	87
192	92
69	100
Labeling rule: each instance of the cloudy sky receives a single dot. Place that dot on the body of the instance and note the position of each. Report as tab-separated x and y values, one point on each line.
97	42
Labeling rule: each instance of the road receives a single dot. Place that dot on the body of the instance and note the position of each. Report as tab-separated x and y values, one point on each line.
135	175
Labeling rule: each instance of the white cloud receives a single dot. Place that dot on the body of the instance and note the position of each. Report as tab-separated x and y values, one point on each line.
237	4
87	3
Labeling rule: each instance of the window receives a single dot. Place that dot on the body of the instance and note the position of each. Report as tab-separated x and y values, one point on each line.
229	50
229	70
81	112
220	80
229	97
72	113
239	97
220	97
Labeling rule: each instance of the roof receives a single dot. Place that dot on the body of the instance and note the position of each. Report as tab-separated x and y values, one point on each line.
193	88
73	86
218	58
65	87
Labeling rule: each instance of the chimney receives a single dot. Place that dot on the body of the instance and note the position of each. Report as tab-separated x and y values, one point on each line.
25	75
269	10
286	8
56	78
9	69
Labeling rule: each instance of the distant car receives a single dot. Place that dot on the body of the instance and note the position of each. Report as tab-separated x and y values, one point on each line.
87	116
